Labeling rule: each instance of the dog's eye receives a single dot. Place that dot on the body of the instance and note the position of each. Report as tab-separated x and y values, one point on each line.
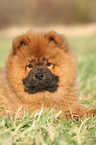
48	64
30	65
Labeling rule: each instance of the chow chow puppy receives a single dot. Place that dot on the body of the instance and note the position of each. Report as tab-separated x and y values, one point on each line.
41	70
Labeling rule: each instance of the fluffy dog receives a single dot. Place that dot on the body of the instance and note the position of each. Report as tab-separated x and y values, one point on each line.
41	70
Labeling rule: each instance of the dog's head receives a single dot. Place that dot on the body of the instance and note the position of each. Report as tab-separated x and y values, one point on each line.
40	62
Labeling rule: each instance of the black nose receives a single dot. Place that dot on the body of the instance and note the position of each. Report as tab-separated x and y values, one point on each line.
39	76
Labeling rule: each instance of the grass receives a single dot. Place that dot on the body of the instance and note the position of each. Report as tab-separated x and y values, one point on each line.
44	127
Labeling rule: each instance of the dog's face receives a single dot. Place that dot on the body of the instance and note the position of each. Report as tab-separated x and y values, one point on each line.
40	63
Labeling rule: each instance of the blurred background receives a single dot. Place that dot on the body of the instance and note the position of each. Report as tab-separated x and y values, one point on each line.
46	12
22	15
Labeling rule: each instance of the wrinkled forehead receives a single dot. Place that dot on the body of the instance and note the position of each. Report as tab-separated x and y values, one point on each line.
41	60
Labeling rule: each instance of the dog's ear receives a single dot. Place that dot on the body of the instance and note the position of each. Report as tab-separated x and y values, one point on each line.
53	36
19	42
57	39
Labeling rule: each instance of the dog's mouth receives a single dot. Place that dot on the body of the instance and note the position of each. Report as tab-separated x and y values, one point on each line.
41	88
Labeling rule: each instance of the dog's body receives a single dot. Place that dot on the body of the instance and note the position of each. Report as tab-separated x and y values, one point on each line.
41	70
